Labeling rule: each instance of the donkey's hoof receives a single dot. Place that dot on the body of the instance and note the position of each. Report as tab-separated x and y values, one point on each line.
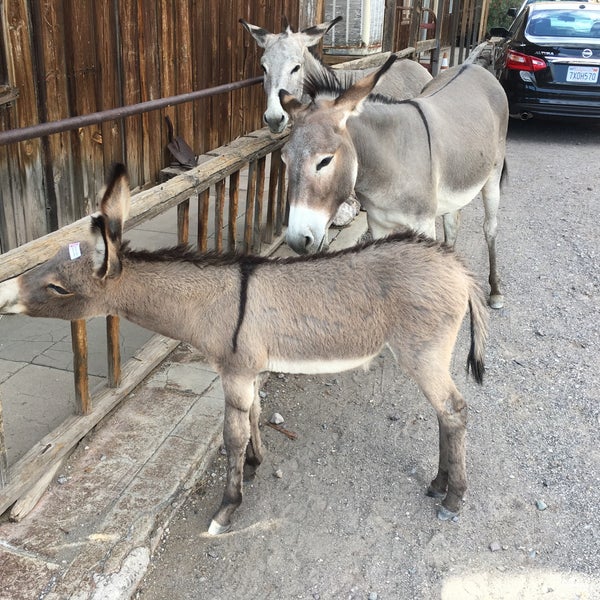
433	493
443	514
217	529
496	301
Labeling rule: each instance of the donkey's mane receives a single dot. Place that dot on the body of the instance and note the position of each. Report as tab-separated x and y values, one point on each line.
329	83
185	253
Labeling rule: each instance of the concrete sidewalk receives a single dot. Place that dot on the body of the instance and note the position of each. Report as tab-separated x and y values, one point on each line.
93	532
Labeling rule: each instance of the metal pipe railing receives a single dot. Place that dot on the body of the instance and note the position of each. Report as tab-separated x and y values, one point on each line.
43	129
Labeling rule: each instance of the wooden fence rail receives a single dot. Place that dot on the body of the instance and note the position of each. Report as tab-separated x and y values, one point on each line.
216	178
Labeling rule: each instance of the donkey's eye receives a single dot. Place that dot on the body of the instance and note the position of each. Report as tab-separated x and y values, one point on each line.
56	289
324	162
295	69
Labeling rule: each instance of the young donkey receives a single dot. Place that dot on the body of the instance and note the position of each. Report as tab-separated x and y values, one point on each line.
249	314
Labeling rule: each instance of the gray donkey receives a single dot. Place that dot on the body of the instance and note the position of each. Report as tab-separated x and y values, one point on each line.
249	315
287	61
408	161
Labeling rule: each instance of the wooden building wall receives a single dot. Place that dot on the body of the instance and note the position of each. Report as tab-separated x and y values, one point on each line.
73	57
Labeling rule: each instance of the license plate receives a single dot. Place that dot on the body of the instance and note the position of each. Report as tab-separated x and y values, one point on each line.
582	74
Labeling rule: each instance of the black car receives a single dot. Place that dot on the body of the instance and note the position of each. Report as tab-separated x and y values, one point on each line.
549	61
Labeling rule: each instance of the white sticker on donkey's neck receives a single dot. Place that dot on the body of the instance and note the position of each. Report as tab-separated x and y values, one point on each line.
74	250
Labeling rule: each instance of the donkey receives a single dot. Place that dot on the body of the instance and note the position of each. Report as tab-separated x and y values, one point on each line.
249	315
407	161
287	60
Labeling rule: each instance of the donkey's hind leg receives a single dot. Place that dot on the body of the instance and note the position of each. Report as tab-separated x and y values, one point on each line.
491	201
239	400
254	452
450	482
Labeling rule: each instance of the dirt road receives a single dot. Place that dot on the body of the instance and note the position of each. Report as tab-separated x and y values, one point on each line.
340	512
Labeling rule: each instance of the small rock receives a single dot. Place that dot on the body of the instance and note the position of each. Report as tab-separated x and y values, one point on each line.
373	596
262	394
495	546
276	419
278	474
61	480
541	505
394	417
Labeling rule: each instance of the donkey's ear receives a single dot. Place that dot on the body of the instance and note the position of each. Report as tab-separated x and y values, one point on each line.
351	100
291	104
260	35
287	28
312	35
108	223
116	201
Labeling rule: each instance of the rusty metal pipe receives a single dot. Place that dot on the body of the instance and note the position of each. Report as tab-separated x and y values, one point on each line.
42	129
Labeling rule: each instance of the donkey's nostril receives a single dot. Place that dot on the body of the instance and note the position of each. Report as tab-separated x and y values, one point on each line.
308	241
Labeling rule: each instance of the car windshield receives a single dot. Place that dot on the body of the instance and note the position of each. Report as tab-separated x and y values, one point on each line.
565	24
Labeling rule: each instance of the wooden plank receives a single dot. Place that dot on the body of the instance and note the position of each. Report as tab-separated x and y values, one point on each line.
153	127
3	452
234	192
23	506
82	66
221	46
184	66
113	350
108	84
59	441
219	214
26	170
250	201
203	206
80	366
272	197
183	222
258	206
48	20
130	86
282	205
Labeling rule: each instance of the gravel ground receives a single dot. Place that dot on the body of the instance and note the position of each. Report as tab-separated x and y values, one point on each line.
340	512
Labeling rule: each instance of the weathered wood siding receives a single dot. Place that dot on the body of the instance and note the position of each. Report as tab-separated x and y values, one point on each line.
73	57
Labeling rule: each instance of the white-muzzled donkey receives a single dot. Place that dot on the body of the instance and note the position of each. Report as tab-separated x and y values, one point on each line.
288	60
249	315
407	161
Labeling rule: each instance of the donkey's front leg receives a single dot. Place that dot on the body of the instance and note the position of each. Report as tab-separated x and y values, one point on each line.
254	453
451	223
239	398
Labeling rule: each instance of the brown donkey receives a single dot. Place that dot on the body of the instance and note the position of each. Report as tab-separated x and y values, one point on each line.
249	315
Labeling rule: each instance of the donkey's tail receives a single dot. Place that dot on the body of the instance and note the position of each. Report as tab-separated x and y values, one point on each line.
479	325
